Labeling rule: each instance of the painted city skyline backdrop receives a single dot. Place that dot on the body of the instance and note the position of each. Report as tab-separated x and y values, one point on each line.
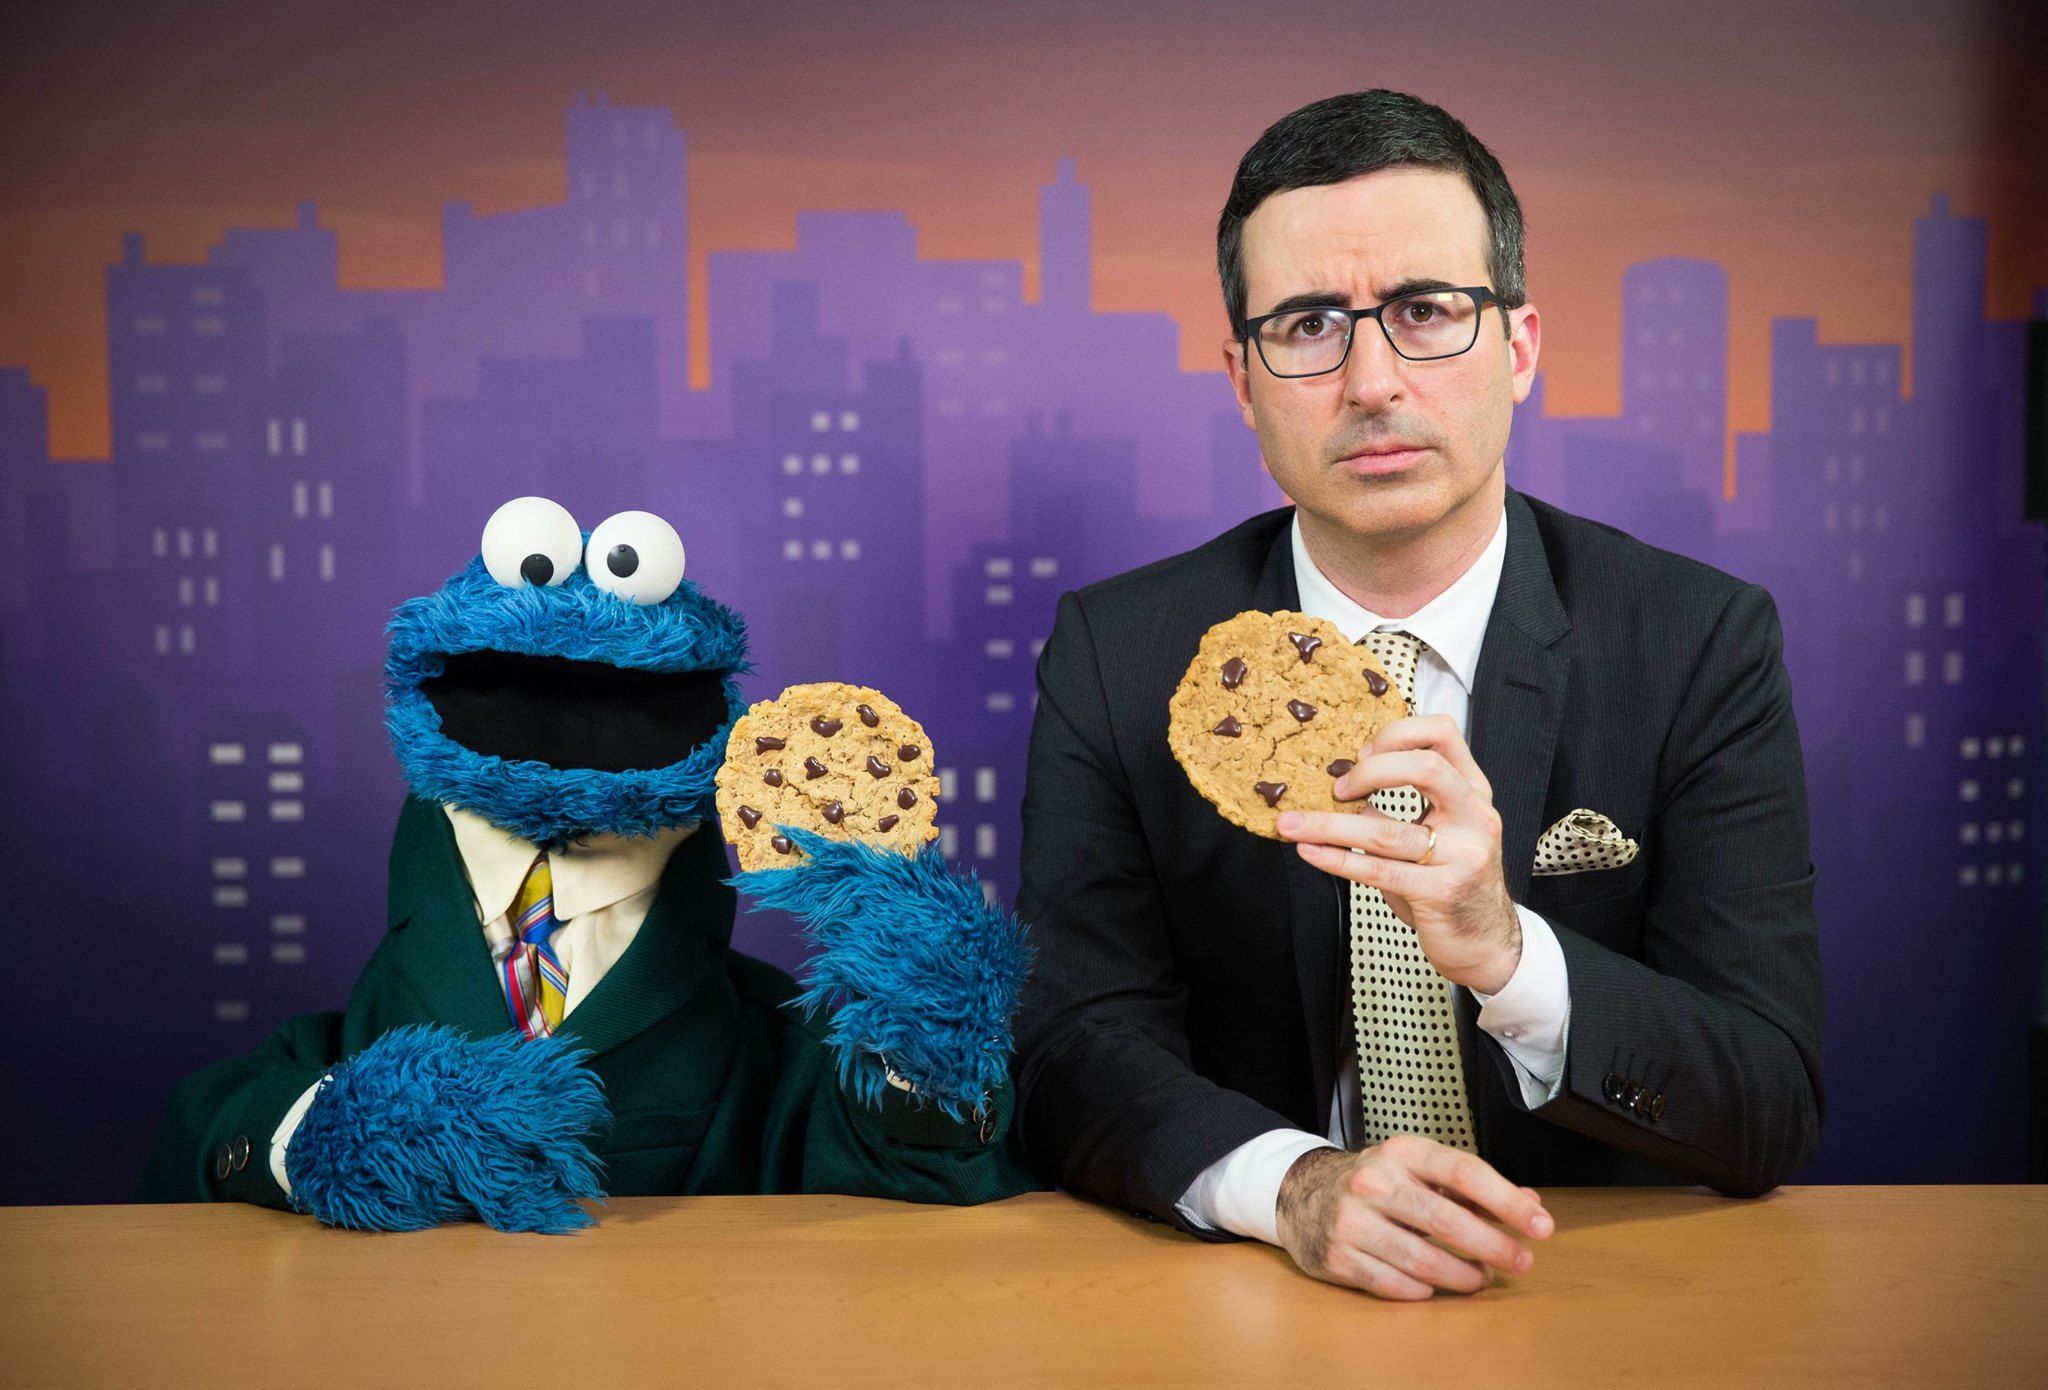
896	463
1781	141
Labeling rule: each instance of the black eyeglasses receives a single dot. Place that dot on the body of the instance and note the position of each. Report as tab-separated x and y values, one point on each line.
1422	327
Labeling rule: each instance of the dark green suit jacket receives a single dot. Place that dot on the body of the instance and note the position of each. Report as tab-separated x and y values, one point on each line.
714	1086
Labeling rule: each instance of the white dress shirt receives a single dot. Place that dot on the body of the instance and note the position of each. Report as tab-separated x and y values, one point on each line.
1530	1015
603	886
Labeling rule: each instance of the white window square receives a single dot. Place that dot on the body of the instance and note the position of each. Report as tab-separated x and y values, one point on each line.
287	753
984	784
792	550
849	420
849	550
821	420
792	507
849	463
984	841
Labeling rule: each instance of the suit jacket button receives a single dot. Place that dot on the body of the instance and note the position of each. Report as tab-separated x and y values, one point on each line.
1632	1093
239	1151
1610	1086
222	1163
1657	1106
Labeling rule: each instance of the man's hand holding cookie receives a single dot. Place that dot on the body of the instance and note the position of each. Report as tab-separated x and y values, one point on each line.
1450	888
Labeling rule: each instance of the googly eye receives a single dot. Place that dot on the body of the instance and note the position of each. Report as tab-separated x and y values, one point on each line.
637	556
531	540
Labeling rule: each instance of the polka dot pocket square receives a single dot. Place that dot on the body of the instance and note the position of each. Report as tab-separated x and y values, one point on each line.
1582	841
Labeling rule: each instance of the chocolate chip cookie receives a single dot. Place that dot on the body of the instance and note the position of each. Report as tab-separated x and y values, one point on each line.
842	760
1273	711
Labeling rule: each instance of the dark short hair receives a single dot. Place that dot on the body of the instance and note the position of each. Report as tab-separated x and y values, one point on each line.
1341	137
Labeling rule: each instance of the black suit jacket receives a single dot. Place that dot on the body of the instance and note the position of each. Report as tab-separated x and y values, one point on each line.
1190	986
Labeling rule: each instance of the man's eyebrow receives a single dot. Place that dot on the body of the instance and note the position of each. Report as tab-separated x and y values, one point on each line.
1338	299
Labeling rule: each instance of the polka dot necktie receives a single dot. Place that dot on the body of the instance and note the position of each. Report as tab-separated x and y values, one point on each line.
1411	1076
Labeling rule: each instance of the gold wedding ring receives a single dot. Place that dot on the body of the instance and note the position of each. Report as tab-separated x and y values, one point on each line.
1432	845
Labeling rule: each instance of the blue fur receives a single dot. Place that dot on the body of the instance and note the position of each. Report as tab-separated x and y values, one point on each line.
578	621
929	969
425	1125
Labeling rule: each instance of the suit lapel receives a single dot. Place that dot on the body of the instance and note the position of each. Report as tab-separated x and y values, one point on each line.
1315	899
443	955
439	945
1518	692
1516	710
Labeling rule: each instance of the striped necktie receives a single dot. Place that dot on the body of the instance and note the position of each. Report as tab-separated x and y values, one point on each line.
1411	1076
536	983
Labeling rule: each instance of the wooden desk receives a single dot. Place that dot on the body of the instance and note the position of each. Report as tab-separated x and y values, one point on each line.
1809	1286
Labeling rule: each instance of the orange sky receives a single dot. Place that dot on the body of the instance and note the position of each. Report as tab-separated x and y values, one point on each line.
1796	153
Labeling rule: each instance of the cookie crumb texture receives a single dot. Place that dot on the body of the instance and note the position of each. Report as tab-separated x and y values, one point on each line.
841	760
1273	709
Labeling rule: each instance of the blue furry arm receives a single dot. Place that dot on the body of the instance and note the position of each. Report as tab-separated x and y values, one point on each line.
925	971
426	1125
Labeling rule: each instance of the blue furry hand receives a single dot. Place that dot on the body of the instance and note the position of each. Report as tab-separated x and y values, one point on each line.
925	969
425	1125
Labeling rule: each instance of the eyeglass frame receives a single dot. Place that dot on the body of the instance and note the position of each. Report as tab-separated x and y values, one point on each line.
1482	296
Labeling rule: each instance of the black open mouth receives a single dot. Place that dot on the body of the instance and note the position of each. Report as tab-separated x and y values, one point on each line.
575	714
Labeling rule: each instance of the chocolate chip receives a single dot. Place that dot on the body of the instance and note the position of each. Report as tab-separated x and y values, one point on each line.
773	777
877	768
1233	673
908	752
1305	643
1375	682
749	817
906	798
868	715
1301	710
765	744
813	769
1340	767
1272	791
1229	728
782	844
823	727
834	813
887	823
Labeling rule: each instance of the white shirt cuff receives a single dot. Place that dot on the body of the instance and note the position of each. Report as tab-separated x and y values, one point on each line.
281	1139
1531	1015
1240	1192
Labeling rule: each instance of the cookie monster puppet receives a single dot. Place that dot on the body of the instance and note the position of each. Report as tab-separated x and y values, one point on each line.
555	1012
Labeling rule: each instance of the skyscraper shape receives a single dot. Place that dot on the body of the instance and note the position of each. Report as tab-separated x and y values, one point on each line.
1674	364
1065	249
186	354
629	208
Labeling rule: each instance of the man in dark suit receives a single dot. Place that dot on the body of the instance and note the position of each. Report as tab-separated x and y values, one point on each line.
1601	924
